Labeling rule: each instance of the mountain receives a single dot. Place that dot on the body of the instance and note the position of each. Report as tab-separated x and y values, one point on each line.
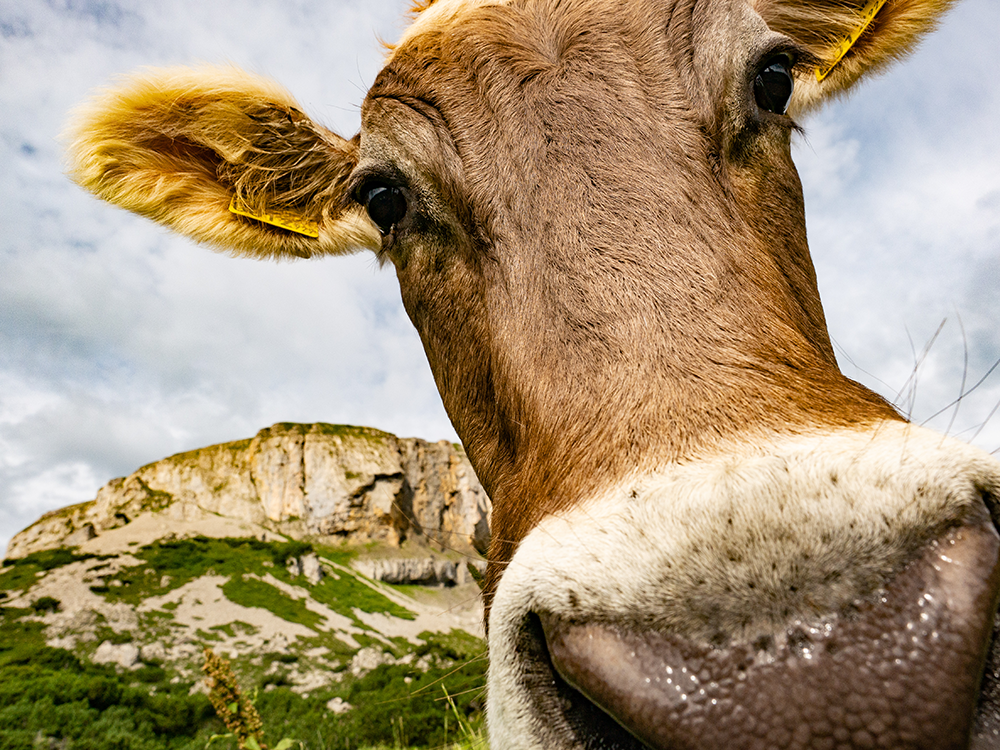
293	554
321	481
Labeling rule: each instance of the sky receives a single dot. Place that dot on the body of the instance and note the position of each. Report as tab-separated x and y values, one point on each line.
121	344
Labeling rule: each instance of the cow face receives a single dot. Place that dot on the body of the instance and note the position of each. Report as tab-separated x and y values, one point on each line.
704	535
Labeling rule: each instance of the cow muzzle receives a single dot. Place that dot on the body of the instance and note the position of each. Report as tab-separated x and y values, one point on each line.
829	591
899	671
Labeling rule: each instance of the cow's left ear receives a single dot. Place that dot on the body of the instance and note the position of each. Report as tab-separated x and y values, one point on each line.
224	157
849	38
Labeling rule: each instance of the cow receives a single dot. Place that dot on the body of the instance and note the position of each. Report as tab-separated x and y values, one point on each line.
704	535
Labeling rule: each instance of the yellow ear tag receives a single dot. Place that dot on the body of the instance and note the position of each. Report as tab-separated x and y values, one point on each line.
283	219
868	13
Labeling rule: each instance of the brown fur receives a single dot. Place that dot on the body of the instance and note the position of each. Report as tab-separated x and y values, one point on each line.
672	308
606	259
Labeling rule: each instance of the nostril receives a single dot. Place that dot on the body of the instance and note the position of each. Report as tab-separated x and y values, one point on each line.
900	671
565	712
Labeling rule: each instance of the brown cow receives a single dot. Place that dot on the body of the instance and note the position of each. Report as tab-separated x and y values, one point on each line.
704	535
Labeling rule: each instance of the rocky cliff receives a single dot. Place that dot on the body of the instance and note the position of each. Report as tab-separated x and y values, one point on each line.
304	481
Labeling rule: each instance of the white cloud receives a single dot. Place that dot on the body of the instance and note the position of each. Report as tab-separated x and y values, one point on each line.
121	344
902	184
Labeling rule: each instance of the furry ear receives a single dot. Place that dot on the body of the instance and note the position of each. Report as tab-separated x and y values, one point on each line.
826	28
224	157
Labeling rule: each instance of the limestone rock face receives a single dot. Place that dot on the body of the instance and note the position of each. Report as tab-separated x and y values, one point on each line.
124	655
304	480
427	571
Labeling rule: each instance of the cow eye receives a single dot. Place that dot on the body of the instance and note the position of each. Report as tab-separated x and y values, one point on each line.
773	86
386	205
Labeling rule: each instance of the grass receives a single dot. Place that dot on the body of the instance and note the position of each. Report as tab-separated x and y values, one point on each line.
45	604
455	646
236	628
52	692
251	592
346	430
105	633
174	564
48	695
387	711
166	566
254	725
21	573
348	593
155	500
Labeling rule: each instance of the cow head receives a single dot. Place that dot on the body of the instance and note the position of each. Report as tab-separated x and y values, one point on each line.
704	535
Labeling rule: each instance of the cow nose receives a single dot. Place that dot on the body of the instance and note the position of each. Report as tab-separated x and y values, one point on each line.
899	670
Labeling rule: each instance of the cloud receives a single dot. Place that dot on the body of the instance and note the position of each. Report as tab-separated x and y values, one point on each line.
121	343
902	191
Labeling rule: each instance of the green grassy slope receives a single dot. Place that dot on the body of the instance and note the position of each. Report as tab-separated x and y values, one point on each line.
57	698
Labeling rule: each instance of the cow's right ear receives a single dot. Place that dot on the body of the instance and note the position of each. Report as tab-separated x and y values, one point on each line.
224	157
847	39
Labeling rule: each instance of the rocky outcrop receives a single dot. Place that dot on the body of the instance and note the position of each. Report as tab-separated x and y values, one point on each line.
426	571
308	566
125	655
302	480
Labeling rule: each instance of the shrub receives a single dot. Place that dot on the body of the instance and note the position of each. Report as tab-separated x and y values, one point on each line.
48	559
48	694
45	604
21	573
150	673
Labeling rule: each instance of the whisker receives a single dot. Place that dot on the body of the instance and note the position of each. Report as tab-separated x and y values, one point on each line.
906	383
410	696
971	390
965	373
855	365
460	605
436	537
481	689
985	421
449	674
910	385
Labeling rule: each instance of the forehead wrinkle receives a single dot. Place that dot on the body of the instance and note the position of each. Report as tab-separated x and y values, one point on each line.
507	62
